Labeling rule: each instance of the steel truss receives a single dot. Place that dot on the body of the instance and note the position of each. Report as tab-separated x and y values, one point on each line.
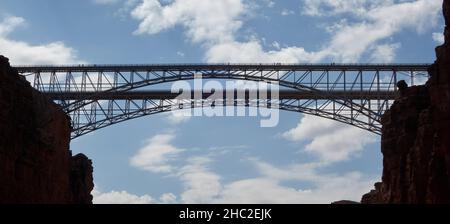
99	96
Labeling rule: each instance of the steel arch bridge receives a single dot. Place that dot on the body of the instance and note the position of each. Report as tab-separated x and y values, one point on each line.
98	96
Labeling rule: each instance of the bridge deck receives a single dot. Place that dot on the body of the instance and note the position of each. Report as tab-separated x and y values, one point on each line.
263	67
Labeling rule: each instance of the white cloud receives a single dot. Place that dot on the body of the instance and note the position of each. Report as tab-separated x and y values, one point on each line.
334	7
20	52
9	24
124	197
268	188
378	21
106	2
331	141
181	54
204	186
438	38
384	53
270	3
178	117
268	191
204	20
168	198
253	52
156	155
352	40
276	45
375	21
201	185
120	197
287	12
261	191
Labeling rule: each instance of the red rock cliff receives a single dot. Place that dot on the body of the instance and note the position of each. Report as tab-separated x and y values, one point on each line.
416	138
36	165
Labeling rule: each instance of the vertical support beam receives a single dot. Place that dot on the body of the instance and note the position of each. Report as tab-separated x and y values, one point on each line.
67	83
361	83
111	108
116	80
36	82
328	80
395	81
369	118
99	82
52	84
83	81
93	112
345	81
378	89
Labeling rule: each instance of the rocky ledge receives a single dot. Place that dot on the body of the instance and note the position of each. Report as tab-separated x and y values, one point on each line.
416	138
36	165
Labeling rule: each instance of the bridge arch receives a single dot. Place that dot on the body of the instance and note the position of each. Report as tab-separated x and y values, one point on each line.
328	110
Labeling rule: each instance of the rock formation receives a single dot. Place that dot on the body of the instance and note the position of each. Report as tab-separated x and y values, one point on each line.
416	138
36	165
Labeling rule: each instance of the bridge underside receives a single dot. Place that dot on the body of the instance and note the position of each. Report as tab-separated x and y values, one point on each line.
165	94
100	96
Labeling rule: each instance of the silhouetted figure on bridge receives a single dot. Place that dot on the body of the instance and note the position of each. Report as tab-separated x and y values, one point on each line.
402	85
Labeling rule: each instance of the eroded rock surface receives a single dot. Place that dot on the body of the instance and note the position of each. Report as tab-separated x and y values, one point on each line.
36	165
416	138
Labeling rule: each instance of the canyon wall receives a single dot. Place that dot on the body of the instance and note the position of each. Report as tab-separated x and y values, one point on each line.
36	165
416	138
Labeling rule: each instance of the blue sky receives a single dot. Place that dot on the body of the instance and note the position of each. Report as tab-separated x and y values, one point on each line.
167	159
